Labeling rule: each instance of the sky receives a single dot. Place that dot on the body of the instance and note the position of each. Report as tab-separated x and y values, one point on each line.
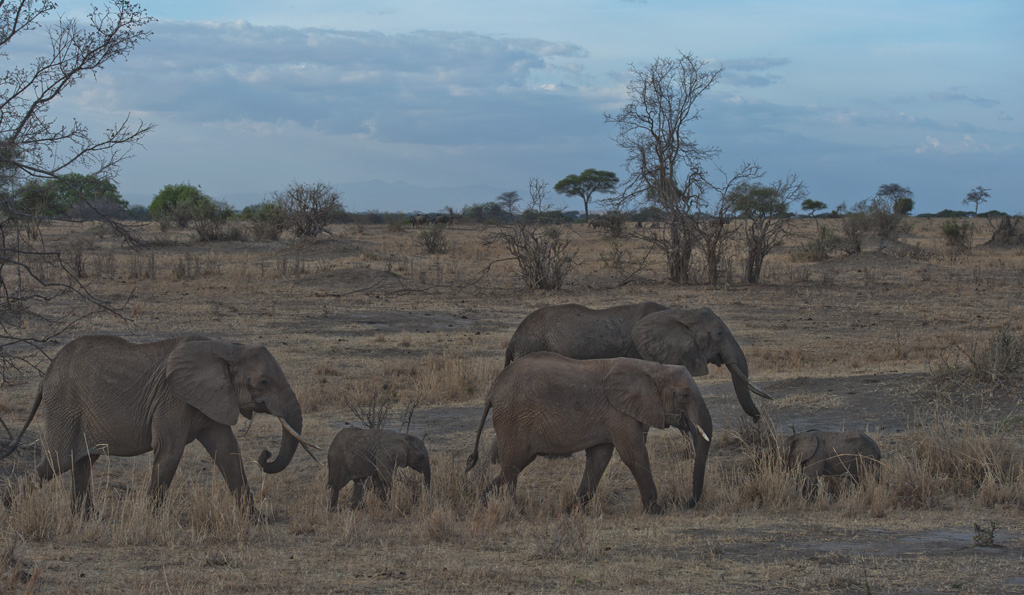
406	105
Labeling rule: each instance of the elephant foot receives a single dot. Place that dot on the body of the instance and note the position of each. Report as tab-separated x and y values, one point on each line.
653	508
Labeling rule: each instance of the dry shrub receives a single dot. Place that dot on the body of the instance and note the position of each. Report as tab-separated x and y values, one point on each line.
498	512
433	240
569	537
441	524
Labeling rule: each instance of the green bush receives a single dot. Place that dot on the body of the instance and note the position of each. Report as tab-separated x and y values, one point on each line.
958	236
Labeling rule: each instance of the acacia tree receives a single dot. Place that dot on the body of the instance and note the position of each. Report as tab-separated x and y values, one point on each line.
976	197
887	212
665	164
34	277
586	184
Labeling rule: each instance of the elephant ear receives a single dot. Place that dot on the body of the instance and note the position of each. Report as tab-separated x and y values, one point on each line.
801	448
666	337
199	373
631	389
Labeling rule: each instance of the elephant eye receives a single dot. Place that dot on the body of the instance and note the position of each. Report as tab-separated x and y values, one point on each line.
264	383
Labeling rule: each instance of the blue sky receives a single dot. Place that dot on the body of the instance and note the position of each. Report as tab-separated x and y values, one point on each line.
449	102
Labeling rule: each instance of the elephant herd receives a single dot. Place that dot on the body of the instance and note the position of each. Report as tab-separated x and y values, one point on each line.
575	379
439	219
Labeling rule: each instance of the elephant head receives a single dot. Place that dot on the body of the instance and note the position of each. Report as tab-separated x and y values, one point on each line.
416	458
799	448
661	396
224	379
694	339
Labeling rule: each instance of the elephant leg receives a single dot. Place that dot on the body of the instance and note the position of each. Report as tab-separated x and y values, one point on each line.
81	476
634	455
222	445
166	456
597	461
357	493
508	476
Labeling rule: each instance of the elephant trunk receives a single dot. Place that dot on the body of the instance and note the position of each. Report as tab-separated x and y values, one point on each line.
289	442
737	365
426	475
701	429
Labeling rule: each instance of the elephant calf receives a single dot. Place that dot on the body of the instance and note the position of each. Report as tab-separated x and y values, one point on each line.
818	453
359	454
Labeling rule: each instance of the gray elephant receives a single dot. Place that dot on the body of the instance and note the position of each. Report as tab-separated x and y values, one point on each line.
648	330
358	454
546	404
105	395
818	454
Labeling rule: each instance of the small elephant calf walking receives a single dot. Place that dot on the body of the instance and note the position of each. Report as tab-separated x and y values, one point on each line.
819	453
359	454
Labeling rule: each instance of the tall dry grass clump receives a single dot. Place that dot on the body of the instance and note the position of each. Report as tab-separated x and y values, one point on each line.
756	479
451	378
997	362
949	457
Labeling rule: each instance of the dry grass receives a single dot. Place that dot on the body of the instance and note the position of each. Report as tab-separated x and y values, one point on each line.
917	348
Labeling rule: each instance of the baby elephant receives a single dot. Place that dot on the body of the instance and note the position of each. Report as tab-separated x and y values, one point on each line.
359	454
832	453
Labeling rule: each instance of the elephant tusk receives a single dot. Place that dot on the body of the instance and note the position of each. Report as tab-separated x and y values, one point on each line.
702	434
759	391
753	387
305	443
297	436
312	456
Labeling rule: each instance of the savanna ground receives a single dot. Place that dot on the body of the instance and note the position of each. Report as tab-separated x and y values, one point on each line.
906	344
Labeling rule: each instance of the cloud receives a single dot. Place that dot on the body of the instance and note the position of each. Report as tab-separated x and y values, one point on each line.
965	144
422	87
745	72
954	94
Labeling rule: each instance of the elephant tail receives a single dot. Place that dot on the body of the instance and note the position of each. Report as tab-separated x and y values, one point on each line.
471	461
13	445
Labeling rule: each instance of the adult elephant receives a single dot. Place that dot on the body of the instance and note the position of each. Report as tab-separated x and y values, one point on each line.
648	330
105	395
545	404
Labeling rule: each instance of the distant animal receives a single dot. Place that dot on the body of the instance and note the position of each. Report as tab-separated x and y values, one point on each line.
648	330
105	395
443	219
545	404
818	454
359	454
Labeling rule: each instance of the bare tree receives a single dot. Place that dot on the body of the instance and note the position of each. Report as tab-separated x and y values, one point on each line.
36	278
309	208
766	212
716	225
541	249
654	130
